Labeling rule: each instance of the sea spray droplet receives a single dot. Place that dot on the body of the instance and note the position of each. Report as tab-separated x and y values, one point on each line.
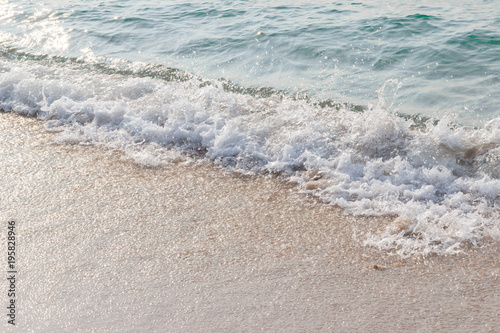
387	93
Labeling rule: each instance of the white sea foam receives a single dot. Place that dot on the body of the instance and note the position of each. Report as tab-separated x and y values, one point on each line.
441	182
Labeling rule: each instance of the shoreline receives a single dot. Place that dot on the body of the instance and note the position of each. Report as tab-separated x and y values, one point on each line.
196	247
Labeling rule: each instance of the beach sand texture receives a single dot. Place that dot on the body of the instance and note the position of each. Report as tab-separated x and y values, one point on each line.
107	245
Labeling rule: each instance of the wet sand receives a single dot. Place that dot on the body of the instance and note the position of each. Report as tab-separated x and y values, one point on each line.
107	245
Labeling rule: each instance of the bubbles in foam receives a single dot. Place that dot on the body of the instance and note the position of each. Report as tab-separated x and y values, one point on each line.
441	182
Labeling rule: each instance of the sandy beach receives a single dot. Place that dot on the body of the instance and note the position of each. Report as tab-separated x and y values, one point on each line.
108	245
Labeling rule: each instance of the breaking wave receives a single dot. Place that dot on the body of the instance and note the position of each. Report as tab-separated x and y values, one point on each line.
440	180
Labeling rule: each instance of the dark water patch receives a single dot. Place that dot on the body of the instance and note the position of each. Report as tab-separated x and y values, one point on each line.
400	28
126	68
477	39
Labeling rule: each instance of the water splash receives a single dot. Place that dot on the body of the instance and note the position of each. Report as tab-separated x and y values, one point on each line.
387	94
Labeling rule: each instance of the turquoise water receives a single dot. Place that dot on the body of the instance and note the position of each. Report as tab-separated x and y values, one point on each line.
446	56
379	108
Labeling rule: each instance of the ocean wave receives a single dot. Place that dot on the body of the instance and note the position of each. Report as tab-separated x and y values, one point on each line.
442	181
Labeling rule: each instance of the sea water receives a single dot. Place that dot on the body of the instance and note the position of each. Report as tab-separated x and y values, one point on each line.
381	108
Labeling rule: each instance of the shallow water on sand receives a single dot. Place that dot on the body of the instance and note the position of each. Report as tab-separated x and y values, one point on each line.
109	245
